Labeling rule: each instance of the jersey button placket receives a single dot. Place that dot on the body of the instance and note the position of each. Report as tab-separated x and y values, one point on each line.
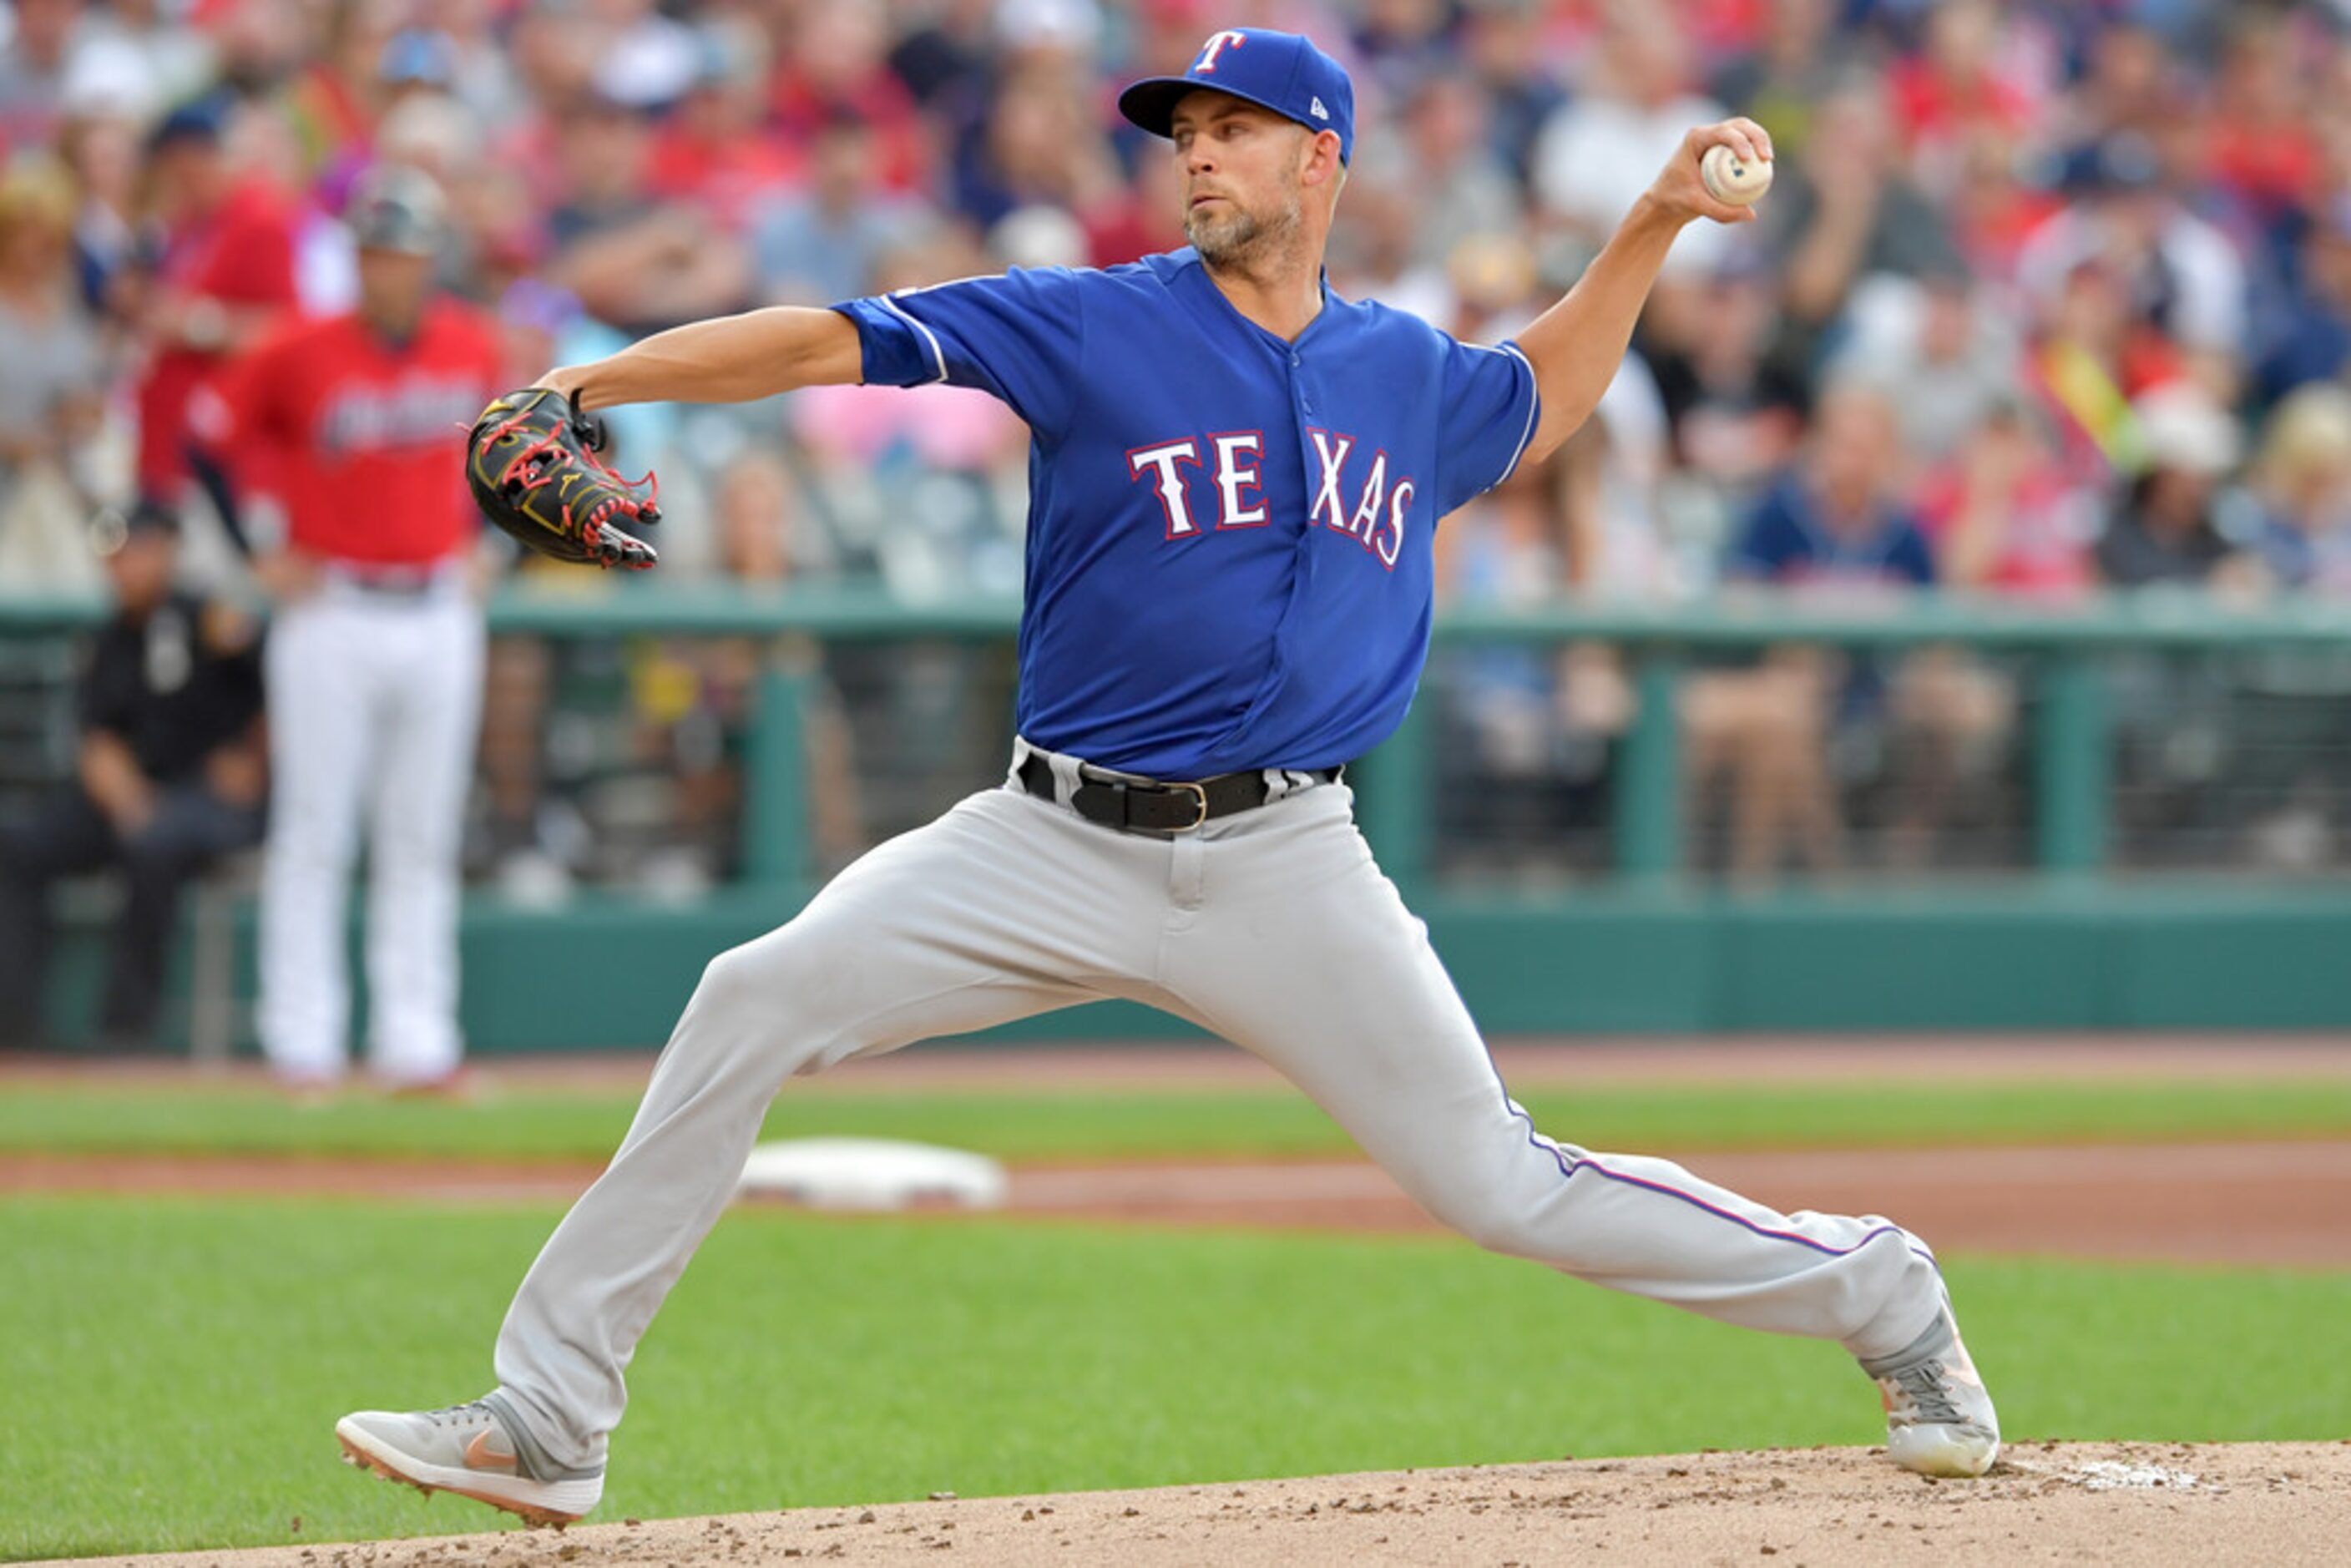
1304	399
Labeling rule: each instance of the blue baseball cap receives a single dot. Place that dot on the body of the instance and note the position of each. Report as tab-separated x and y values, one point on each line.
1279	71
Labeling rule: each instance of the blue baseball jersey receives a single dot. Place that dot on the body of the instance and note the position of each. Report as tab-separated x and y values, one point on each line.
1229	535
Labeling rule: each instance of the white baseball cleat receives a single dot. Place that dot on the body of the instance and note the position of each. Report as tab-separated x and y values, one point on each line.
469	1450
1939	1416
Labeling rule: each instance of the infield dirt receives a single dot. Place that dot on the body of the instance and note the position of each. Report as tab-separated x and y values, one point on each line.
2103	1502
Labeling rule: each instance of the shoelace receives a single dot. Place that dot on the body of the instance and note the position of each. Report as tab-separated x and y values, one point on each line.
1928	1390
472	1412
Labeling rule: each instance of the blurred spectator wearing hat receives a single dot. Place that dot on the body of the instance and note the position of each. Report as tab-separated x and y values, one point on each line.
2164	530
49	400
221	273
170	776
352	426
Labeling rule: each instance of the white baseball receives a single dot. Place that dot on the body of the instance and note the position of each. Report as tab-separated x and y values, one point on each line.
1730	178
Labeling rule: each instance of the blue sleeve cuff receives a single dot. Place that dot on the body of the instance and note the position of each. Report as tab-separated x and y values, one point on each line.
895	349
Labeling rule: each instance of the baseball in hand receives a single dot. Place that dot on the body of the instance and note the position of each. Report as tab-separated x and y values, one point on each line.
1732	179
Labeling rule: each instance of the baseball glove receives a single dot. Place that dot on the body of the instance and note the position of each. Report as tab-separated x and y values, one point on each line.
531	460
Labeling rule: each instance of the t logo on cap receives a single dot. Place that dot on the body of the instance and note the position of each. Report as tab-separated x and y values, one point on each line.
1280	71
1207	64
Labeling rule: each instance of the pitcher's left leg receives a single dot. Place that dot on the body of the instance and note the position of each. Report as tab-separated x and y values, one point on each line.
1305	956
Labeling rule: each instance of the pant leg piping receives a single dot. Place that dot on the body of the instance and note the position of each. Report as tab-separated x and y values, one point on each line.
1569	1165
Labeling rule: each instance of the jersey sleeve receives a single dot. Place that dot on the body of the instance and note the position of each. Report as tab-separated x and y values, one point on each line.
1488	414
247	417
1019	336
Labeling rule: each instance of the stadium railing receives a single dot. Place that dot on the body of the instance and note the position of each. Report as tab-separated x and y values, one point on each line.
1651	862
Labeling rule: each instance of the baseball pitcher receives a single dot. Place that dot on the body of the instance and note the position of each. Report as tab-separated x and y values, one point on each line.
1237	474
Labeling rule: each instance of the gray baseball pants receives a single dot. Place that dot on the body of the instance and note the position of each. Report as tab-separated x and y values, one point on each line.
1272	929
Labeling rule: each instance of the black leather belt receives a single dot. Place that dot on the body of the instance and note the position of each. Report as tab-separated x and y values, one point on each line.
1154	805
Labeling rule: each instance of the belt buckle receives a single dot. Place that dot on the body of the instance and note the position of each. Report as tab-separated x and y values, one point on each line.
1199	793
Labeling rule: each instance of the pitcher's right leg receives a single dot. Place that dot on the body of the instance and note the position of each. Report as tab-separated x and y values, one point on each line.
1001	909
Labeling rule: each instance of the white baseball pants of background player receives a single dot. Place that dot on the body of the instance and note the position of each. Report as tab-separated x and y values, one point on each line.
374	711
1272	929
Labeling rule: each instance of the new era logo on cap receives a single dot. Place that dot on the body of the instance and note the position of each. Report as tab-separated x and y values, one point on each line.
1279	71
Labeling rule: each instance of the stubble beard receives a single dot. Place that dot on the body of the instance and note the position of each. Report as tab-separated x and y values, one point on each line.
1240	239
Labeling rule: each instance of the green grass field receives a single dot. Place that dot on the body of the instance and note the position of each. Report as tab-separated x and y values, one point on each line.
173	1368
101	1118
194	1353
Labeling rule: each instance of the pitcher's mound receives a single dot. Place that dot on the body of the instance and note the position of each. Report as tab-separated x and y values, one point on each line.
2104	1503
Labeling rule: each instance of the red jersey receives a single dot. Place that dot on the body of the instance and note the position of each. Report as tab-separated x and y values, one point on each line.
363	440
242	255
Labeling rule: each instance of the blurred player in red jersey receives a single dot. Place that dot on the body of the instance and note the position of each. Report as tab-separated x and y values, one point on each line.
222	278
354	426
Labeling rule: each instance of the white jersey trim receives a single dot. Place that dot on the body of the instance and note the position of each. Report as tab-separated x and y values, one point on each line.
939	355
1534	412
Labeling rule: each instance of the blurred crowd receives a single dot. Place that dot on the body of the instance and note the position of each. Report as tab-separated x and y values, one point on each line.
2049	295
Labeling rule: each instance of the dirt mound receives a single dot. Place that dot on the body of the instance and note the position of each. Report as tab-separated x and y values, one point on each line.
2107	1503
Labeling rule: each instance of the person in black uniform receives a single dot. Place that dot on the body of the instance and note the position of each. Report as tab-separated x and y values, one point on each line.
170	776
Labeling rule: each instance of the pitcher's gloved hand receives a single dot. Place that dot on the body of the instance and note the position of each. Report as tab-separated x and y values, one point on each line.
531	461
